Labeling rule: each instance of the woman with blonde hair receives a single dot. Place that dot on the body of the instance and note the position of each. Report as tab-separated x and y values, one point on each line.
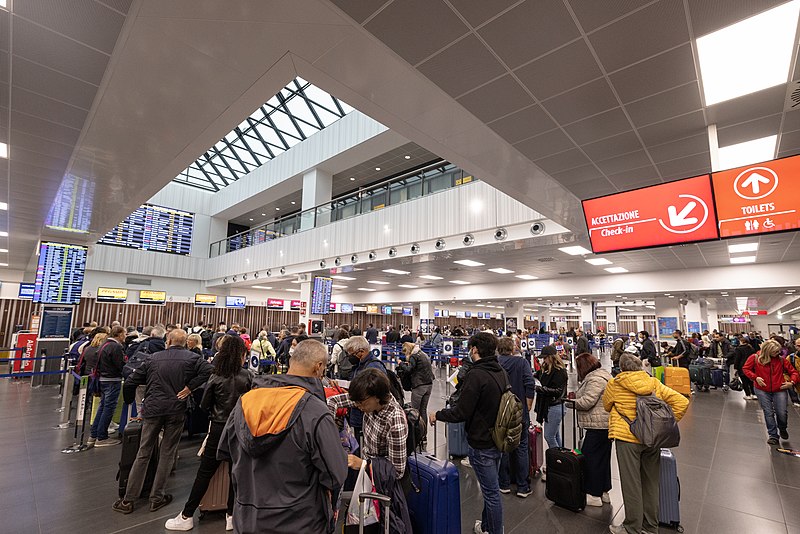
772	375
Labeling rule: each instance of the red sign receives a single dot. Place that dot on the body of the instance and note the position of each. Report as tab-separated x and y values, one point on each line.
27	342
758	199
333	307
275	304
665	214
295	305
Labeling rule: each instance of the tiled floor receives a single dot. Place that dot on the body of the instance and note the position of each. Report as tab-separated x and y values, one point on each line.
731	481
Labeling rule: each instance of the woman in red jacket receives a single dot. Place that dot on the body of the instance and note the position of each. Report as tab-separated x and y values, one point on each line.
768	371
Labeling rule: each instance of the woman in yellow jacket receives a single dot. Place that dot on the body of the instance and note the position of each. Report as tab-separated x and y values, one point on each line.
638	465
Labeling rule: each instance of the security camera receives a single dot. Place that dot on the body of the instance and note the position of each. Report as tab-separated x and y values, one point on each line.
244	276
537	228
322	264
283	270
373	256
392	252
269	273
500	234
468	240
225	280
234	278
440	244
255	274
337	261
415	248
354	258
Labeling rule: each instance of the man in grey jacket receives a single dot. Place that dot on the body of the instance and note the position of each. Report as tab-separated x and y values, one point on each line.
286	456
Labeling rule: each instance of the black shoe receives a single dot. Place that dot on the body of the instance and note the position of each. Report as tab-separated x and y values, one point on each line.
157	505
784	434
122	506
772	441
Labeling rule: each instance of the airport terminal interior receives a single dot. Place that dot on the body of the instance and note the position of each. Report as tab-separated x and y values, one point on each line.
530	168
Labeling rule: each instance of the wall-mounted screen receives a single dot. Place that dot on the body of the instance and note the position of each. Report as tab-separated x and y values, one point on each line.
333	307
386	310
235	302
345	308
468	314
147	296
60	273
154	228
408	311
372	309
111	294
205	300
321	288
459	314
26	291
275	304
445	313
295	305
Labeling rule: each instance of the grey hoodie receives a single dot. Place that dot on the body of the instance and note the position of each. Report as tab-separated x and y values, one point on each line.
286	457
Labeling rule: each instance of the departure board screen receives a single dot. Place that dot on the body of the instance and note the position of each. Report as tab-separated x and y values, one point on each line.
321	295
60	273
154	228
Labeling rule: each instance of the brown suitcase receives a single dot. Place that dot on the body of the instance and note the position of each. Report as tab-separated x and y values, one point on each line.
216	497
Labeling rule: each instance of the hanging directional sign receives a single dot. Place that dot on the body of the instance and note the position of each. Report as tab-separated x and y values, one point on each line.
758	199
665	214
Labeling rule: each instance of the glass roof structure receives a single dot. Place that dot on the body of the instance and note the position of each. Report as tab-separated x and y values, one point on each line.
296	112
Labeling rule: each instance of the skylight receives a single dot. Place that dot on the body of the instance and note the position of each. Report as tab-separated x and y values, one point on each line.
295	113
748	56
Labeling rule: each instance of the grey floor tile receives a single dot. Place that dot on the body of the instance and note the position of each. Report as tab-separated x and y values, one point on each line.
745	494
721	519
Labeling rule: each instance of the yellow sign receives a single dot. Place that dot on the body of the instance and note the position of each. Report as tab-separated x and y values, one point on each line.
112	294
205	300
373	309
148	295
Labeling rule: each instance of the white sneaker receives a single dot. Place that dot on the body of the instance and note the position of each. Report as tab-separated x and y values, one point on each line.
606	498
544	474
228	522
478	527
796	404
591	500
465	462
179	523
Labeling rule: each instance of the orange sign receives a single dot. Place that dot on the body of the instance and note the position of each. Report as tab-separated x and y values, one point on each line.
758	199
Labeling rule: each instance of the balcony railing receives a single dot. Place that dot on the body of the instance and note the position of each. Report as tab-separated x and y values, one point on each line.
409	186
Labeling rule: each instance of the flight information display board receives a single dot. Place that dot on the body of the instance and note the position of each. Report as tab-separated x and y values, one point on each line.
345	308
111	294
26	291
60	273
154	228
147	296
321	295
235	302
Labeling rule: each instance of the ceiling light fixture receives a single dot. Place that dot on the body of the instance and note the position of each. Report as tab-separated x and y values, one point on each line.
378	282
251	219
743	259
741	154
598	261
407	286
407	156
3	206
277	209
459	282
263	214
352	179
377	168
366	289
395	271
342	277
575	251
760	46
293	290
616	270
336	286
3	146
431	277
742	247
526	277
469	263
500	270
3	234
262	287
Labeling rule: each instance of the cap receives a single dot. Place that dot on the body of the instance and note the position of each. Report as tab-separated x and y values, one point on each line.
631	334
549	350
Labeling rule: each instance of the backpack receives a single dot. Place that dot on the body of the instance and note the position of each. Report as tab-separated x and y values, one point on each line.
416	429
507	429
135	361
394	384
405	377
655	424
76	349
691	350
206	336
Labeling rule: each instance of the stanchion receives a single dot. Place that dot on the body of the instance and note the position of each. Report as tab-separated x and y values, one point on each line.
66	399
84	413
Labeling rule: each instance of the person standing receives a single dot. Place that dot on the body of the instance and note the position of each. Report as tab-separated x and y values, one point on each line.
582	342
418	365
681	351
371	334
639	465
593	418
110	361
171	376
477	406
551	393
648	352
740	356
227	383
768	370
359	355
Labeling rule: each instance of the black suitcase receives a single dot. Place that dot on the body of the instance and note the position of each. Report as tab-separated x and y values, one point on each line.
564	485
131	438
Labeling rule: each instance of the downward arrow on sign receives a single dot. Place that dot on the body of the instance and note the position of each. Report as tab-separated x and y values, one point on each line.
754	181
680	219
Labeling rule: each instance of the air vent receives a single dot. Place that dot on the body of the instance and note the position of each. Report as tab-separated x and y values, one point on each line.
139	282
566	272
792	95
545	260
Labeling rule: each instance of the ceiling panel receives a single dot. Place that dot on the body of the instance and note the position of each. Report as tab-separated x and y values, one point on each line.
679	127
579	174
662	106
760	104
30	103
711	15
584	101
688	146
593	14
615	165
746	131
547	76
669	69
563	161
496	99
47	82
545	144
523	124
613	146
635	178
357	9
477	13
462	66
600	126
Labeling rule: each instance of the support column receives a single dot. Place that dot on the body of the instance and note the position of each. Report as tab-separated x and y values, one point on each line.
515	311
544	317
612	320
669	313
317	189
696	315
588	316
305	312
425	312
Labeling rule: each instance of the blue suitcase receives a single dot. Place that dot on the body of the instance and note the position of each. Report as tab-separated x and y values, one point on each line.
669	496
457	446
718	377
434	501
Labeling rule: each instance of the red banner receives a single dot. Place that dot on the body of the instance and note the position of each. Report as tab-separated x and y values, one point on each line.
27	342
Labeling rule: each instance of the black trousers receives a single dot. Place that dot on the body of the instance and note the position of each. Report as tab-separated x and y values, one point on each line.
747	384
596	450
208	466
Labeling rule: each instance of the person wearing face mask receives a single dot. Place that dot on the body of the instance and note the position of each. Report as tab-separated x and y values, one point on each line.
360	356
285	452
648	351
680	352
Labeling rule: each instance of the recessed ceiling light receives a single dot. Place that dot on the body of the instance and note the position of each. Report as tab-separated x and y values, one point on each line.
3	146
741	154
263	214
3	250
293	290
742	247
3	265
575	251
366	289
459	282
598	261
407	286
407	156
378	282
760	46
788	290
500	270
469	263
293	202
336	286
743	259
3	206
251	219
277	209
526	277
431	277
261	287
297	281
377	168
395	271
342	277
3	234
616	270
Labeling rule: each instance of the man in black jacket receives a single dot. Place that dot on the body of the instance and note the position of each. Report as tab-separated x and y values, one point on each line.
171	376
392	336
371	334
282	351
582	343
110	362
477	406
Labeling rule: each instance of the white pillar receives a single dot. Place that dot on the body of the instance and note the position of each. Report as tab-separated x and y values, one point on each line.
544	317
695	316
317	189
588	316
667	308
514	310
612	319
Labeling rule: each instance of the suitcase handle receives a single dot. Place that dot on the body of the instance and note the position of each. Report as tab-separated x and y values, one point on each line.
373	496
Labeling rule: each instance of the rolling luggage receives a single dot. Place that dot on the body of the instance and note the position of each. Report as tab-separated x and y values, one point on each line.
216	497
374	528
669	509
197	419
677	378
436	508
718	377
131	438
457	446
535	450
694	373
564	484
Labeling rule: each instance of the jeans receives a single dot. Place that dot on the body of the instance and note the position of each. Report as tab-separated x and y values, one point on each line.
776	410
519	461
109	394
208	466
420	396
486	464
552	427
151	426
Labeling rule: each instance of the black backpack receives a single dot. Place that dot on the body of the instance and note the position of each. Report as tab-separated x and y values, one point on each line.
394	384
136	360
206	336
416	429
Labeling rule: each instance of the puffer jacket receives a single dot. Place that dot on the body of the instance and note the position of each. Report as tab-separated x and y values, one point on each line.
620	397
617	349
588	400
419	365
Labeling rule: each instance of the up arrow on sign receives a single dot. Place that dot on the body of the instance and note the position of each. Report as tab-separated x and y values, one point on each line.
754	181
680	219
